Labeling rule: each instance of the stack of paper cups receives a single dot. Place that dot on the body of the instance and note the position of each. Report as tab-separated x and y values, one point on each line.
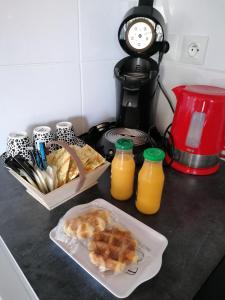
43	134
18	143
65	133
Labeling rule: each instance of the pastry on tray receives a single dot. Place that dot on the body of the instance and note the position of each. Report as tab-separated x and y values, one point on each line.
87	224
112	249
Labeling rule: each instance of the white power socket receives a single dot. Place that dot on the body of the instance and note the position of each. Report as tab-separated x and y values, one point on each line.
193	49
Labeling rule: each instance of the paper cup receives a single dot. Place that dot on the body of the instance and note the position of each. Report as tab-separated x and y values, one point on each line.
65	133
18	143
43	134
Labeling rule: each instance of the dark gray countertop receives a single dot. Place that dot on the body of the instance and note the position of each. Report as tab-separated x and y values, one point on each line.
192	217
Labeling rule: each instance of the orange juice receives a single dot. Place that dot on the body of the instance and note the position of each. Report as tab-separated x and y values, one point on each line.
122	170
150	182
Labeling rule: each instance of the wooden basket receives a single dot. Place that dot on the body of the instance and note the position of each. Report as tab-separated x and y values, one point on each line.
68	190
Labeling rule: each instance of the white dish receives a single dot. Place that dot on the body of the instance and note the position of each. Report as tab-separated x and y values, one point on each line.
151	246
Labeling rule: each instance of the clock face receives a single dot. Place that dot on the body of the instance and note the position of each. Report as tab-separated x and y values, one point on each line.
140	35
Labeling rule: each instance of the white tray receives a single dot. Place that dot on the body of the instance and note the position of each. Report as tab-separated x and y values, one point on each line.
151	247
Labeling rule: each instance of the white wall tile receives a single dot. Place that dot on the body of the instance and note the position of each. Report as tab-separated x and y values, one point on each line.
38	31
37	95
191	18
100	21
99	92
202	18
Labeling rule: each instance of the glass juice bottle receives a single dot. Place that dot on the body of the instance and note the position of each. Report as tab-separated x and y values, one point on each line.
122	170
150	181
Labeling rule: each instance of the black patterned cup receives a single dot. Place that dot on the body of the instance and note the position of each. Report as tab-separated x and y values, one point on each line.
65	133
43	134
19	143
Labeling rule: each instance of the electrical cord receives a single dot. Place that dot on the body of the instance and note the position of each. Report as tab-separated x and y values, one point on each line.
166	95
166	141
168	144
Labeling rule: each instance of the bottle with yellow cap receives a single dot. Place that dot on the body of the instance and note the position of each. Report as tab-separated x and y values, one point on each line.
150	181
122	170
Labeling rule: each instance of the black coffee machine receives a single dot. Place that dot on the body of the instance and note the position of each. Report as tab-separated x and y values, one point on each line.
141	35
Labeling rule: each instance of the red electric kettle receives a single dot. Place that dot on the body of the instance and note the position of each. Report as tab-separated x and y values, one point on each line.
198	129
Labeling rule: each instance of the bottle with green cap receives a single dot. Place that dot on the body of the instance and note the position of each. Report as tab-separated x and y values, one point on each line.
122	170
150	181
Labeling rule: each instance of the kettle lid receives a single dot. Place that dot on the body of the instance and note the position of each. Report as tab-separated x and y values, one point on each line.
205	90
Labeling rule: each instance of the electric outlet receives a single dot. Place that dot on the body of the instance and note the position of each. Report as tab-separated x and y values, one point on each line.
193	49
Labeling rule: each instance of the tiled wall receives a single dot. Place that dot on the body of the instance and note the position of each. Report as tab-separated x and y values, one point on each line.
56	62
197	18
57	58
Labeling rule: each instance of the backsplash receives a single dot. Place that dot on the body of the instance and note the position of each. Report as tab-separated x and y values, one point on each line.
57	58
191	18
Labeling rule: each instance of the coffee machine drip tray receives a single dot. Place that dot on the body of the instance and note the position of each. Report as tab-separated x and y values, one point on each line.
106	145
139	137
